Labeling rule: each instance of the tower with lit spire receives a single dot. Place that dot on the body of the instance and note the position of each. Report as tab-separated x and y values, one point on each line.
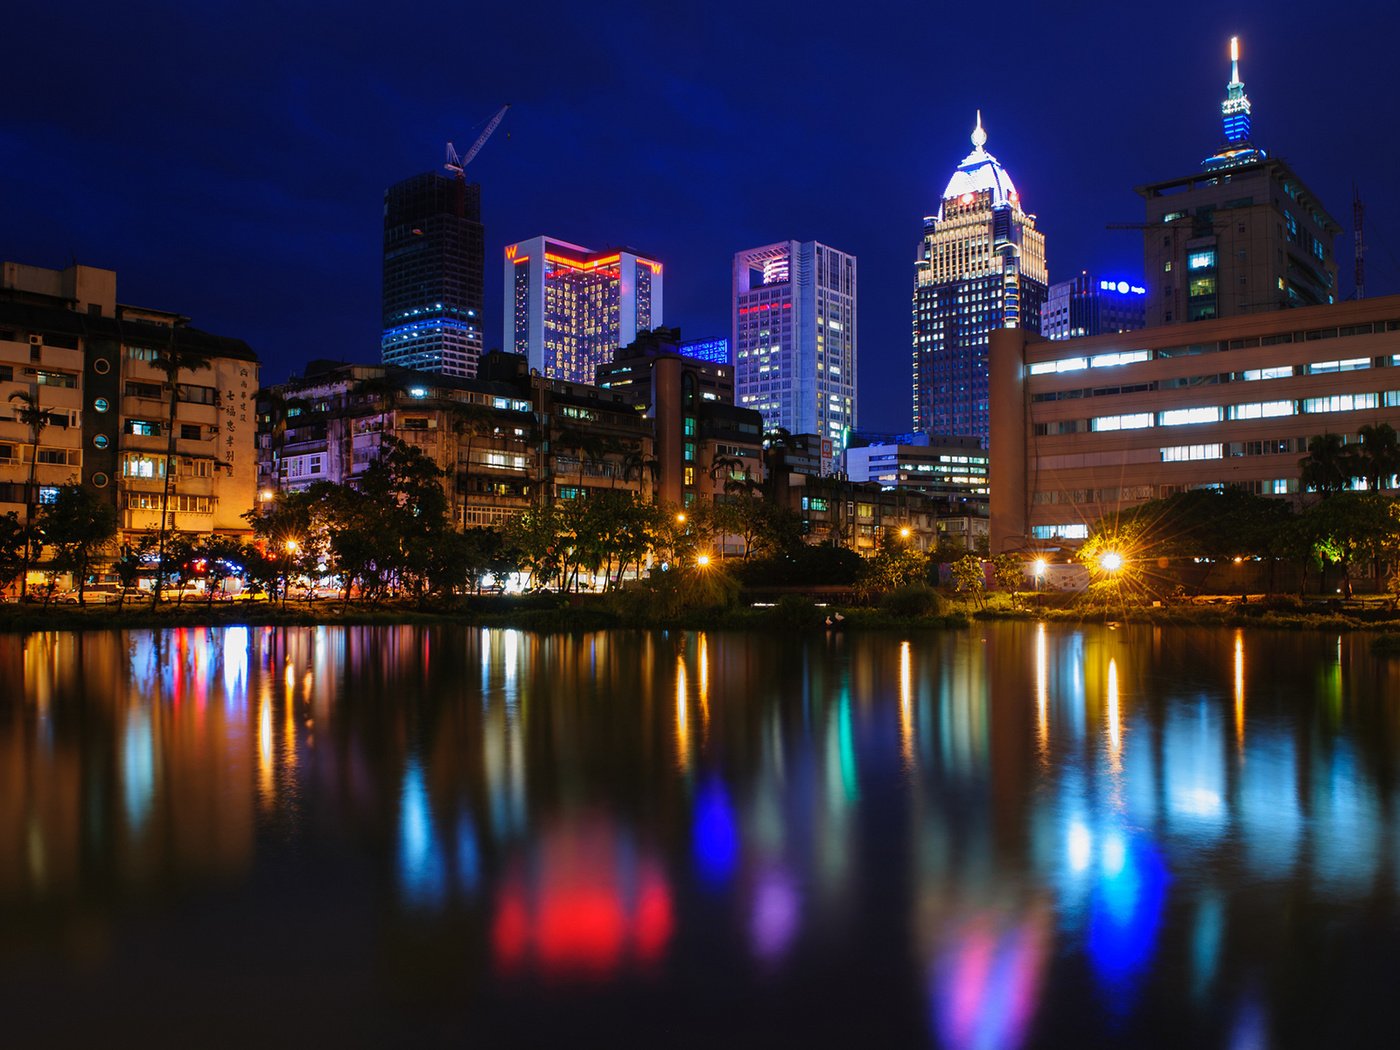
980	266
1235	122
1243	235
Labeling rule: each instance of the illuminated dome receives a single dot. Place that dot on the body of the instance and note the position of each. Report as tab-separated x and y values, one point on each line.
980	171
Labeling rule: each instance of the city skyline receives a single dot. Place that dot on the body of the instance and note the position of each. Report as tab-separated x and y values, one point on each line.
285	143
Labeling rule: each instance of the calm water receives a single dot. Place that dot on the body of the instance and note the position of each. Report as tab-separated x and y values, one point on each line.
1008	836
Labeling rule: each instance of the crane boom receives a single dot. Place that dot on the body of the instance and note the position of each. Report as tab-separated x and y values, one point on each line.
456	164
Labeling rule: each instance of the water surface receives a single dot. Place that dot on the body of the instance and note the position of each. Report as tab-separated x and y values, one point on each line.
1016	835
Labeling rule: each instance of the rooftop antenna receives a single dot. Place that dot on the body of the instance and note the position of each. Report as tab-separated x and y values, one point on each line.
458	165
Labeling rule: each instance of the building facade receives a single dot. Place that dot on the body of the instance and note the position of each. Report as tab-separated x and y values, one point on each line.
705	446
567	308
434	267
980	267
1244	235
1089	305
505	440
1105	423
795	340
93	366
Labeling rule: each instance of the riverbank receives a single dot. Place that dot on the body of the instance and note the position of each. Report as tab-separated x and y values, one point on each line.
596	612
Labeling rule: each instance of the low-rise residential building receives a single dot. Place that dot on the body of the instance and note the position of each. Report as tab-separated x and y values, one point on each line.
99	373
1084	428
504	440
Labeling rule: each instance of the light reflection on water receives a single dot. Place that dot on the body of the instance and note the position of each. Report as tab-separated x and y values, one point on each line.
943	824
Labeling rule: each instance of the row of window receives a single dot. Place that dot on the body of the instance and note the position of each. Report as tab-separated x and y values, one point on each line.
1175	417
60	457
175	502
143	465
1278	338
1351	364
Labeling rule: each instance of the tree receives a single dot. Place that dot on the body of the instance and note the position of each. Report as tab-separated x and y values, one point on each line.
1009	574
1349	528
1378	457
1329	465
78	526
172	362
895	564
534	535
969	577
13	539
131	563
469	421
765	528
36	418
223	558
638	466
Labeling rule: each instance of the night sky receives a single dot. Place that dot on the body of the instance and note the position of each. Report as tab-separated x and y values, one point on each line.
229	160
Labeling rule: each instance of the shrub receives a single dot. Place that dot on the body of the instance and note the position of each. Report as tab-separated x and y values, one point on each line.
912	599
797	612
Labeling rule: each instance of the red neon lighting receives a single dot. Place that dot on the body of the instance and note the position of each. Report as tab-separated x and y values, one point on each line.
586	907
510	252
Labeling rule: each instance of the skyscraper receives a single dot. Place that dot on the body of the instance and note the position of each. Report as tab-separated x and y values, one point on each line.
569	308
1244	235
795	339
981	266
1088	305
434	261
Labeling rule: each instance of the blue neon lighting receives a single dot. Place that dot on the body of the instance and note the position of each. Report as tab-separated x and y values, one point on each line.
1236	127
716	835
715	351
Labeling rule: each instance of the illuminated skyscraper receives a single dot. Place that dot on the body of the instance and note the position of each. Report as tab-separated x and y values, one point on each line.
1242	236
434	261
981	266
568	308
795	340
1088	305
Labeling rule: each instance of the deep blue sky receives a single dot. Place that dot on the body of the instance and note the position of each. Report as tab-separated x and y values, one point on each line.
229	160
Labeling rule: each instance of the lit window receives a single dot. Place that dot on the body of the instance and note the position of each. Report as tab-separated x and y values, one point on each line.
1261	410
1182	416
1133	421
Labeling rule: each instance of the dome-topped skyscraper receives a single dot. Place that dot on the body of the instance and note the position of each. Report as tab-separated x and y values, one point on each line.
981	266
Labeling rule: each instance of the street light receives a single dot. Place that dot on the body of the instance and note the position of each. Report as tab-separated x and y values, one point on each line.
904	532
1111	562
1039	568
291	547
702	560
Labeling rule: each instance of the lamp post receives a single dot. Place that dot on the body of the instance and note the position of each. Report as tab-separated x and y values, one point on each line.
1039	579
291	547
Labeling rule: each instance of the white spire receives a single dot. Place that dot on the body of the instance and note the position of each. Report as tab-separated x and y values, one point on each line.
979	135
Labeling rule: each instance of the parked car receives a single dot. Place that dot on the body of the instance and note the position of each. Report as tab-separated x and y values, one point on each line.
93	593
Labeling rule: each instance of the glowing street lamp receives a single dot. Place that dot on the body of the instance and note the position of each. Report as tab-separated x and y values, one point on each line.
1111	562
904	533
702	560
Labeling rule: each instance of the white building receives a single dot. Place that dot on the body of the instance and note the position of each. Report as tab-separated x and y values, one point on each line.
568	308
794	342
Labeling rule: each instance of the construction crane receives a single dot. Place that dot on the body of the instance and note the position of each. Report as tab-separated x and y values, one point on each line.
458	165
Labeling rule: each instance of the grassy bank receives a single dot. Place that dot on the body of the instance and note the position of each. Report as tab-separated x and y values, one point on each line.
594	612
544	613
